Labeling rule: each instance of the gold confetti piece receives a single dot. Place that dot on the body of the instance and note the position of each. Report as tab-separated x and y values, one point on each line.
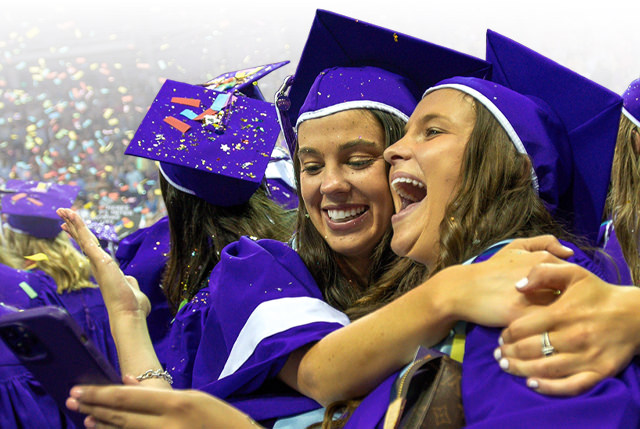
38	257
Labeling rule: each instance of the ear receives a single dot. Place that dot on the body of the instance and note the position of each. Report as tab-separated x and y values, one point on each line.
635	136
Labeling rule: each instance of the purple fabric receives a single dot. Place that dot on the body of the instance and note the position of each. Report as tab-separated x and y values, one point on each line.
221	159
339	41
183	341
493	398
239	283
631	100
23	402
371	411
612	261
574	174
32	208
282	194
144	255
87	308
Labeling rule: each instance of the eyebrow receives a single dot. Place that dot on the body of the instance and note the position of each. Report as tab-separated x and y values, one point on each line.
343	146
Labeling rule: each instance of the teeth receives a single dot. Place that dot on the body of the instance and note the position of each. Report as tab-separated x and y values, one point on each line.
340	215
401	192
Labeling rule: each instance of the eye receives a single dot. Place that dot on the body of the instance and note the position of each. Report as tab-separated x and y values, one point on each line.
311	167
360	162
432	132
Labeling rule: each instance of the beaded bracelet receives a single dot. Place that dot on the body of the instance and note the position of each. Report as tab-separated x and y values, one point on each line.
155	373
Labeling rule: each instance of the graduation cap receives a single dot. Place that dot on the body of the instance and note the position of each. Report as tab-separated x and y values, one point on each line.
215	145
244	81
349	64
31	207
631	102
564	122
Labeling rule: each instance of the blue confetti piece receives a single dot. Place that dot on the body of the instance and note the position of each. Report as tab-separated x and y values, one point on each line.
220	102
189	113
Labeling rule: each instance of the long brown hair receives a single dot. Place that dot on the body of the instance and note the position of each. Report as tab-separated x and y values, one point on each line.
199	231
64	263
390	275
623	201
495	200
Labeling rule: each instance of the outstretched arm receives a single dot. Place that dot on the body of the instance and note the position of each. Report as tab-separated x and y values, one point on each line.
127	306
351	361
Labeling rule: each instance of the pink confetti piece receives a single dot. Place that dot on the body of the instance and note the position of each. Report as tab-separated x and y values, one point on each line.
186	101
177	124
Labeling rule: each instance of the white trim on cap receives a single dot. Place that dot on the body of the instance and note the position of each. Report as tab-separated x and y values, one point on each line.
502	119
276	316
349	105
632	118
174	184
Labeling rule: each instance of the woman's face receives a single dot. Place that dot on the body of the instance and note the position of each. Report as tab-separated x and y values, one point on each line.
343	180
425	168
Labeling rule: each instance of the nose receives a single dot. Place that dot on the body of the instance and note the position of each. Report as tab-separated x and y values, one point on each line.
334	181
397	151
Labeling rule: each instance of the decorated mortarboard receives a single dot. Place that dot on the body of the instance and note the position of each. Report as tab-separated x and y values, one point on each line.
31	208
348	64
564	122
244	81
215	145
631	102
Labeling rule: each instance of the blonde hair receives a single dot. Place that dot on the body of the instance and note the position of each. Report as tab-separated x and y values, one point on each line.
64	263
623	200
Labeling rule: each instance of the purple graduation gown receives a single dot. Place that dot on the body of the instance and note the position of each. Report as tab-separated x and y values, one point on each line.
143	254
23	401
614	258
261	304
492	398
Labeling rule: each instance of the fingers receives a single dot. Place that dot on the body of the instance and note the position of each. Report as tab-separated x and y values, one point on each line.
568	386
102	417
532	324
551	276
556	366
542	242
76	228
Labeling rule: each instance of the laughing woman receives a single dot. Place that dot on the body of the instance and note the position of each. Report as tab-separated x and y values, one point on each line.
491	165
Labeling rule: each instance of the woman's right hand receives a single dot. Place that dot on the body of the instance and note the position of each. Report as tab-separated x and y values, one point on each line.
484	292
121	294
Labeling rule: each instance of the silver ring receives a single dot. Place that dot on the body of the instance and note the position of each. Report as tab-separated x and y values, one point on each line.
547	348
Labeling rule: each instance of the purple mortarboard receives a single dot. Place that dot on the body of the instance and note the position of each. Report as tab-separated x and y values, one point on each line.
244	81
564	122
215	145
631	102
350	64
32	207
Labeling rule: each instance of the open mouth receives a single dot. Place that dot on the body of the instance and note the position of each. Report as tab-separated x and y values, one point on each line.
346	215
409	190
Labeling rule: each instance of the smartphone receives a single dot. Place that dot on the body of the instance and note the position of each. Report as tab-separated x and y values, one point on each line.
52	346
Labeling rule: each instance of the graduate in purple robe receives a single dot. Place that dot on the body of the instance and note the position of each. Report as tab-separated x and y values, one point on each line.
32	232
213	143
544	141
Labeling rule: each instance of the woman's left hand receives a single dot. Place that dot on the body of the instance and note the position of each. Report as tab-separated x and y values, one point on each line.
133	406
593	327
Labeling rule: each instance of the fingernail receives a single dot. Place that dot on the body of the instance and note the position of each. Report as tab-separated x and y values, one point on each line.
533	384
504	364
522	283
76	392
497	354
500	341
569	249
72	404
